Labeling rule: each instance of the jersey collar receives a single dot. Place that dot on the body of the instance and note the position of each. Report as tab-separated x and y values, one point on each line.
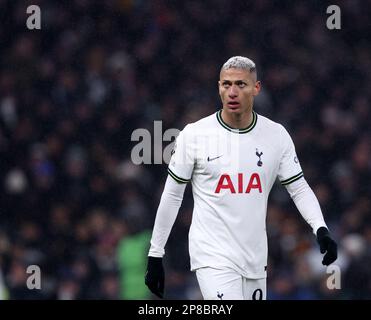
245	130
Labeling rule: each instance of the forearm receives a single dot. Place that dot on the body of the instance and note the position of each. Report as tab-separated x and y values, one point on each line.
307	203
167	212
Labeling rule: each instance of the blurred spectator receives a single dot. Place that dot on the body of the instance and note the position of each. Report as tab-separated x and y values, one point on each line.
132	252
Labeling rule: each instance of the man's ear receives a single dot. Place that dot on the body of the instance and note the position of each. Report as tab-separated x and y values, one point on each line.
257	88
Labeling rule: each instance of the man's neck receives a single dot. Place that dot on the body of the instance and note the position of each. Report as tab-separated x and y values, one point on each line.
237	120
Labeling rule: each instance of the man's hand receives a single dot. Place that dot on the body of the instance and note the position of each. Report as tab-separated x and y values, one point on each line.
327	245
155	276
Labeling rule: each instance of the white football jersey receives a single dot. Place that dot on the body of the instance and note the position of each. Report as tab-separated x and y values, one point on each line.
232	172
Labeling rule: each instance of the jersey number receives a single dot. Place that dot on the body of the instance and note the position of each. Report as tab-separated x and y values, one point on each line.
257	294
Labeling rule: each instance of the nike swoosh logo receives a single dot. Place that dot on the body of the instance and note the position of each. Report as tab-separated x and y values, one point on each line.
211	159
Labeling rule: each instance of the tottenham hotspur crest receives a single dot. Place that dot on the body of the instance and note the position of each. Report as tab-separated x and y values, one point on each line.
259	154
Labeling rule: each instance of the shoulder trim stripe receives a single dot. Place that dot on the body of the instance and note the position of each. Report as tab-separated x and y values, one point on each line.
292	179
245	130
176	178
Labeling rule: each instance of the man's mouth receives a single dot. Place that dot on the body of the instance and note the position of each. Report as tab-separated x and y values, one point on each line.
233	104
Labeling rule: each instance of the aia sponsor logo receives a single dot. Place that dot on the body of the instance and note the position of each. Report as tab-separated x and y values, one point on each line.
244	184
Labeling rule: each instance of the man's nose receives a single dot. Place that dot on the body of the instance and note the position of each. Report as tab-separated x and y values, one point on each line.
233	92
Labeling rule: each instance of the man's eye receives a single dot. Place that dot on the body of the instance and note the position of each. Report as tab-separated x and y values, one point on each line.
225	85
242	85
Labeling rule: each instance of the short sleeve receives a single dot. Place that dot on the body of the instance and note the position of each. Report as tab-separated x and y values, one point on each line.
289	168
183	159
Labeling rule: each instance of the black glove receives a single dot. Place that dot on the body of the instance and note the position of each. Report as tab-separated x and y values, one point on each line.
328	245
155	276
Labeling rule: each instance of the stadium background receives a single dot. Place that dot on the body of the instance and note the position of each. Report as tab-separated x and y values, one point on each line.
72	93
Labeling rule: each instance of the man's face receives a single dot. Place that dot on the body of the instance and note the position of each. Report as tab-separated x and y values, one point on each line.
237	89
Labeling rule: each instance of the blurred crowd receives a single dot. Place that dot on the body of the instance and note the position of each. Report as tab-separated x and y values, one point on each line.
73	203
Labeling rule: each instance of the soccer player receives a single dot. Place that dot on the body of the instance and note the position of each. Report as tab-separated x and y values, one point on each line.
232	158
